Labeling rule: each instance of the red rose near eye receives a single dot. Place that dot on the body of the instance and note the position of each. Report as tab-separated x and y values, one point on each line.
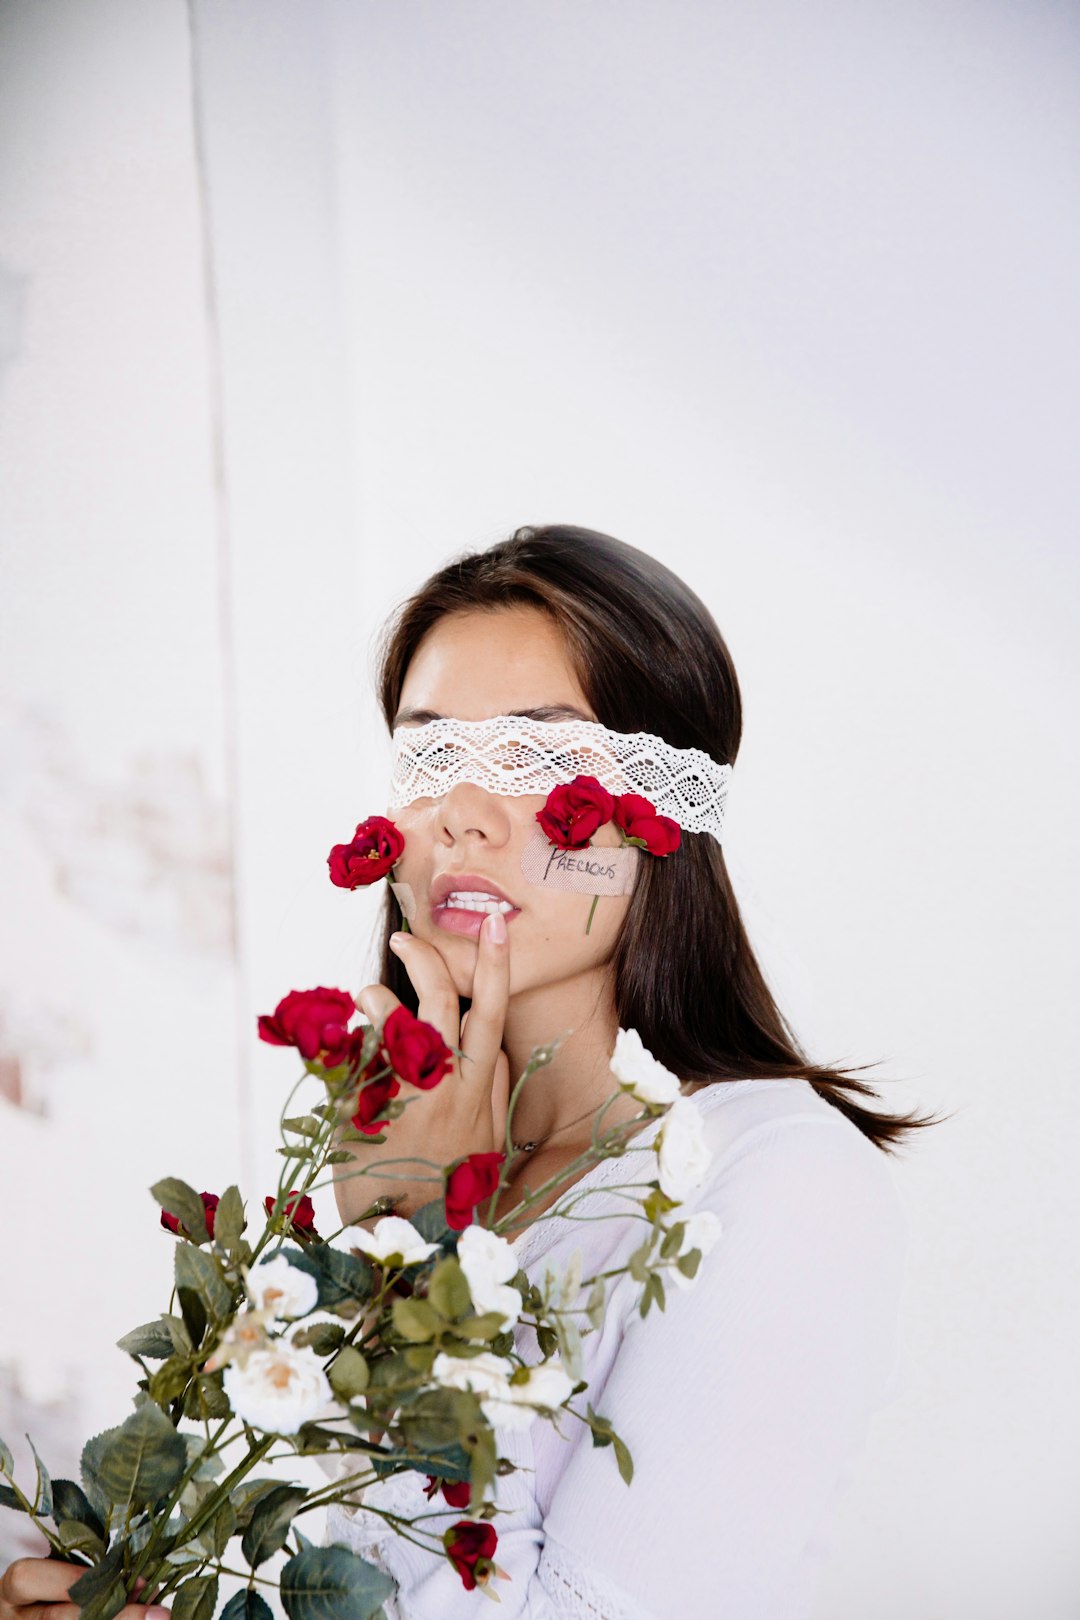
314	1021
468	1184
415	1050
455	1491
470	1547
302	1211
373	1098
172	1223
638	819
373	850
574	811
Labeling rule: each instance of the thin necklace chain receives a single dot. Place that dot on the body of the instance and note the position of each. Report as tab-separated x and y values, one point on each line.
530	1147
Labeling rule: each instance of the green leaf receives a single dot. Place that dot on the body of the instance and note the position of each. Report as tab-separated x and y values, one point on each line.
8	1499
69	1502
199	1273
247	1605
177	1198
302	1125
152	1339
229	1220
448	1290
80	1538
222	1528
178	1333
415	1320
342	1278
332	1583
135	1464
547	1339
100	1592
323	1337
7	1461
623	1458
270	1522
482	1327
196	1599
689	1262
348	1373
206	1398
43	1502
673	1239
430	1222
170	1380
247	1496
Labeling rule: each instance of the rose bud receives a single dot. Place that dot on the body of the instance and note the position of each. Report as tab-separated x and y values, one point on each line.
372	852
574	811
638	819
470	1547
373	1098
314	1021
415	1050
455	1491
468	1184
301	1209
172	1223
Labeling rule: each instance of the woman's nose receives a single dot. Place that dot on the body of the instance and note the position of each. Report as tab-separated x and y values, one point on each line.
470	811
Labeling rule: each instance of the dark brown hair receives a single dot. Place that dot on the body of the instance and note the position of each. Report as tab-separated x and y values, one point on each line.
649	657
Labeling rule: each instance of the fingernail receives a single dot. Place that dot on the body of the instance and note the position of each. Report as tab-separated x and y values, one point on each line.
158	1613
397	941
496	928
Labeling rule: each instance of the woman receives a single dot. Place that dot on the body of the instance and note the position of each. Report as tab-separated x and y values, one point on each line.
745	1400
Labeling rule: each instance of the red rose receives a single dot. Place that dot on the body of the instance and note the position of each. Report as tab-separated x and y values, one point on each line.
415	1050
455	1491
574	811
373	1098
468	1184
314	1021
302	1211
638	819
470	1547
375	847
172	1223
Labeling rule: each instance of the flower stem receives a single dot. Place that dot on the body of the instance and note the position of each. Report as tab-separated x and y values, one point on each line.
592	908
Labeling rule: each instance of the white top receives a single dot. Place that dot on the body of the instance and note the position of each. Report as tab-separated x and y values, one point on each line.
745	1403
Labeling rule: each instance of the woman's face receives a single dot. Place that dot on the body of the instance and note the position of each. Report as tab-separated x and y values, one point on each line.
471	666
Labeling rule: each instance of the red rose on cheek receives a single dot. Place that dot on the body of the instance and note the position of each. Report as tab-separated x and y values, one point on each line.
171	1223
415	1050
470	1547
468	1184
374	848
302	1211
574	811
314	1021
638	819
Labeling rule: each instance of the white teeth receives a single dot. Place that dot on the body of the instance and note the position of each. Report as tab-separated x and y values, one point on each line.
469	900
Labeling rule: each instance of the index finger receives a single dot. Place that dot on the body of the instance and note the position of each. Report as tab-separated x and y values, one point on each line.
481	1040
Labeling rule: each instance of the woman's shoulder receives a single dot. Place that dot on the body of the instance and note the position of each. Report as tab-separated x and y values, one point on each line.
780	1145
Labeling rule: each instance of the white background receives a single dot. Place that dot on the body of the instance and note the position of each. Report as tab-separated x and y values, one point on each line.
296	301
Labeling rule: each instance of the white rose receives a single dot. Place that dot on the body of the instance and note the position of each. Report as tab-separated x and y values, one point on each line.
682	1153
518	1405
489	1262
279	1388
485	1374
703	1229
641	1074
280	1290
394	1241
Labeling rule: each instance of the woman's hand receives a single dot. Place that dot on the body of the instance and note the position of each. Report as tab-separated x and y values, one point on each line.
466	1111
37	1589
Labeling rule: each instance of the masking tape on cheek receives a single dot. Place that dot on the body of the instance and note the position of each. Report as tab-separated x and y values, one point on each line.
405	898
586	871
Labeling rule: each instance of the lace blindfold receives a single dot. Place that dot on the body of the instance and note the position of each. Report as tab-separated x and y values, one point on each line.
512	755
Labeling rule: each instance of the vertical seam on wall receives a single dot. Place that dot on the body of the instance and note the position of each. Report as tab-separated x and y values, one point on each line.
223	537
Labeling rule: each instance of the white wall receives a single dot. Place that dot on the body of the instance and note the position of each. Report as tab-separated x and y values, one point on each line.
783	295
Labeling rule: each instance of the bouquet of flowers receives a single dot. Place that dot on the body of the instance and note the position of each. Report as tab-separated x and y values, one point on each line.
390	1345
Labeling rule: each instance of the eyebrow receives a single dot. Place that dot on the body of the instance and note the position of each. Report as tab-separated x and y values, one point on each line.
549	711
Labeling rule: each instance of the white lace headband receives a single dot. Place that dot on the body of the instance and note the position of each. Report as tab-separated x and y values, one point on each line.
509	754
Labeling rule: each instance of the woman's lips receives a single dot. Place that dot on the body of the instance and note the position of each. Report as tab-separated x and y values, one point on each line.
456	920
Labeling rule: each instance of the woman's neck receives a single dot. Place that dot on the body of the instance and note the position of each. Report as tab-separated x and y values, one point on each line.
578	1078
